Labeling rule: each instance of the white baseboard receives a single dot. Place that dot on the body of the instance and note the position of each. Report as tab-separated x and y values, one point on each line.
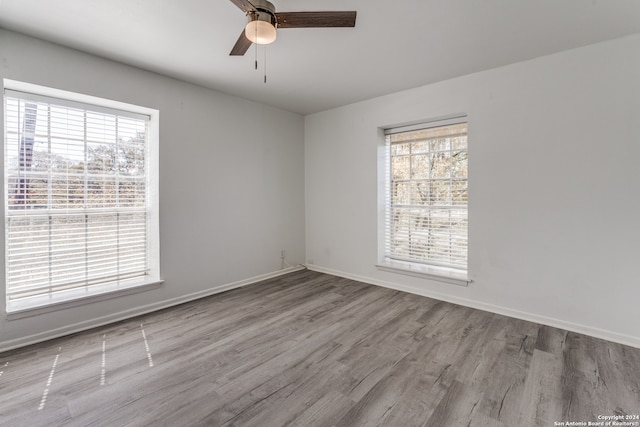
531	317
127	314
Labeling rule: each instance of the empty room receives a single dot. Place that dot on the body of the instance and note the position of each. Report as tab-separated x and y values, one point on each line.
320	213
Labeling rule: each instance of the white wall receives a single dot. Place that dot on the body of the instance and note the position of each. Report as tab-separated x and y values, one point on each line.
554	151
231	181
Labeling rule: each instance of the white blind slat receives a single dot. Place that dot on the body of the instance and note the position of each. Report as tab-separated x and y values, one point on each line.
76	197
426	194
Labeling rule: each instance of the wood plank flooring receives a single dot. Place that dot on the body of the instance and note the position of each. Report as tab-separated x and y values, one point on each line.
310	349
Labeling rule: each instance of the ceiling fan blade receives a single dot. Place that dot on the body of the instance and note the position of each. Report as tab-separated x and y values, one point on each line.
241	46
244	5
315	19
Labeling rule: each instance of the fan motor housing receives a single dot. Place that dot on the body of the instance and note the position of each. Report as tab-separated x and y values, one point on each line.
265	11
264	6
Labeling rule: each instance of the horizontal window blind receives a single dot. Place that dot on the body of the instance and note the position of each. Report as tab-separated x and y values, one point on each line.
76	195
426	192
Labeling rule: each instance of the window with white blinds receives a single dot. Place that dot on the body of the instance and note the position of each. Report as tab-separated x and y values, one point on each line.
426	195
77	199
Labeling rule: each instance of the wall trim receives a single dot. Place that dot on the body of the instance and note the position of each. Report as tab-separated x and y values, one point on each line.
127	314
505	311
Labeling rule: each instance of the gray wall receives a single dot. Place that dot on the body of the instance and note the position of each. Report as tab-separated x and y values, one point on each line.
554	145
231	181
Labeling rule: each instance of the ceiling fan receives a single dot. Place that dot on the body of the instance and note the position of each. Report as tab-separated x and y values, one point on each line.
263	20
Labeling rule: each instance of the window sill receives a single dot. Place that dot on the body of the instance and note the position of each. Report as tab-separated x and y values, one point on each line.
35	306
441	274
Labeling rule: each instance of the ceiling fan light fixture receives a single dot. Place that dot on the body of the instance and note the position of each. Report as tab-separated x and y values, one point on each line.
261	28
263	22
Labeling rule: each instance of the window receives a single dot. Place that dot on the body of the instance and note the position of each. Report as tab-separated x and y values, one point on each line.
425	217
80	211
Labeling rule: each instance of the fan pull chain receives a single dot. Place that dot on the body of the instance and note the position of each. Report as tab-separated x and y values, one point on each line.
265	64
256	49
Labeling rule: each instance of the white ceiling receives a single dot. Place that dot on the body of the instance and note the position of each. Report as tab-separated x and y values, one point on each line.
395	45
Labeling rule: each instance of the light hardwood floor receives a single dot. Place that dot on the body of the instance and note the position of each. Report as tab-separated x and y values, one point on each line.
310	349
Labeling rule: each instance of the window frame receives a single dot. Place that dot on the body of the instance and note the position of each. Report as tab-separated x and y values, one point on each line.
47	302
386	263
